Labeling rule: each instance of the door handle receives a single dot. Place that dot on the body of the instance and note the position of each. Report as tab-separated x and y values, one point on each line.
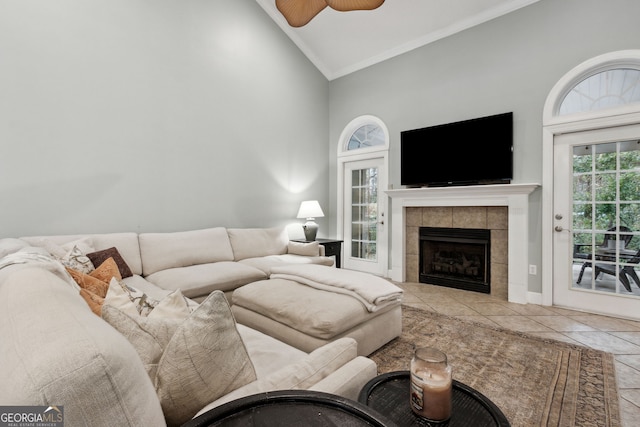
559	229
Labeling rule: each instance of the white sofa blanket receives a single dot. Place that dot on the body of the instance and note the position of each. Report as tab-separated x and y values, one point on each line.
373	292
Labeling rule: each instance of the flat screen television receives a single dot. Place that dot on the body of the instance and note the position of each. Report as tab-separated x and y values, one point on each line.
469	152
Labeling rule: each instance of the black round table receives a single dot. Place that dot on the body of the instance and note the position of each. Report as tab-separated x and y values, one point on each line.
291	408
388	394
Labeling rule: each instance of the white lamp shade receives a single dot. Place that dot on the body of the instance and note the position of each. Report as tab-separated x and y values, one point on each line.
310	209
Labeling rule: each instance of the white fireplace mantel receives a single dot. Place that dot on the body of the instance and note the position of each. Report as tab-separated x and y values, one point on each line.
514	196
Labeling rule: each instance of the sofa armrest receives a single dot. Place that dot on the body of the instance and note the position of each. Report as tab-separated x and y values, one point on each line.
305	248
348	380
88	367
302	375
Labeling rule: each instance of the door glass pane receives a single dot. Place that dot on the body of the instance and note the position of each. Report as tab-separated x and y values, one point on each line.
606	220
364	213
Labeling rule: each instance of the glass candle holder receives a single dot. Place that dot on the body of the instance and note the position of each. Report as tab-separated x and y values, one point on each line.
431	385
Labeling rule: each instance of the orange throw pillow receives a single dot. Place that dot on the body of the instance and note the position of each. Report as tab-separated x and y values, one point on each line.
106	271
94	301
98	280
96	284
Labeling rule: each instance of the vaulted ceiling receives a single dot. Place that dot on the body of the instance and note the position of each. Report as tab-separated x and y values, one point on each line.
339	43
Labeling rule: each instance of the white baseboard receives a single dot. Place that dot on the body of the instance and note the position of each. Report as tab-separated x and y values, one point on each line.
534	298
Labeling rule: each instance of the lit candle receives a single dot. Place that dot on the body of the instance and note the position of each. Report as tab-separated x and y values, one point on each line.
431	385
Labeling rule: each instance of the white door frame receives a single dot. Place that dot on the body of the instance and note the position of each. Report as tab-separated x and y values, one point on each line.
553	125
379	266
346	156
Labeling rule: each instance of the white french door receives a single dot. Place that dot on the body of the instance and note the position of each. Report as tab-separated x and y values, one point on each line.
364	222
596	220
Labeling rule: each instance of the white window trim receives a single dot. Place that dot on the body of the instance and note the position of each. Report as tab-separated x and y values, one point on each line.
346	155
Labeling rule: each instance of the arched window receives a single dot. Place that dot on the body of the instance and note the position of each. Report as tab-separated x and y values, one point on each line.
364	134
369	135
603	86
607	89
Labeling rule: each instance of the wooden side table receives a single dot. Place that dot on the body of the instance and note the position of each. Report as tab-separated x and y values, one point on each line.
332	247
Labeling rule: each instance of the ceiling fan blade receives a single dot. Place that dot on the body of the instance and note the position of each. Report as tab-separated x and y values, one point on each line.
300	12
346	5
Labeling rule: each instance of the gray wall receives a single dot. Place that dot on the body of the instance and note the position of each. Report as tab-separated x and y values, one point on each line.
508	64
155	115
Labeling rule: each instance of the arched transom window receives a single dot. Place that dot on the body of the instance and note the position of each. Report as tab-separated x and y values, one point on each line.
606	89
369	135
363	135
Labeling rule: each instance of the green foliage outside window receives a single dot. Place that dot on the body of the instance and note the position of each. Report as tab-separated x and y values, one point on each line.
606	191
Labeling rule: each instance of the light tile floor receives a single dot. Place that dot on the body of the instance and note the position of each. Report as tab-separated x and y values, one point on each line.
618	336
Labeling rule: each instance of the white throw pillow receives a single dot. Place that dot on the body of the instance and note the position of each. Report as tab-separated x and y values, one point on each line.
173	306
135	302
127	299
148	336
205	359
201	358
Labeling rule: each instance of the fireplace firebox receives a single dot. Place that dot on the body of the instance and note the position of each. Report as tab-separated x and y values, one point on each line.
456	258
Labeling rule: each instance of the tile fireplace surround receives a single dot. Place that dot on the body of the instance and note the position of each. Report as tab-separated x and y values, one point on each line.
473	206
493	218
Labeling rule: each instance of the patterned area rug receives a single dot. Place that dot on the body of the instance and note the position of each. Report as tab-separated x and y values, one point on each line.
534	381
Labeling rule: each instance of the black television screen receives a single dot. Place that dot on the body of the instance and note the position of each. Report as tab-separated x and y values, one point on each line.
477	151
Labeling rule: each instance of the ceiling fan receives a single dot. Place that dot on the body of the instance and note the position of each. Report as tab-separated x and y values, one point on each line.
300	12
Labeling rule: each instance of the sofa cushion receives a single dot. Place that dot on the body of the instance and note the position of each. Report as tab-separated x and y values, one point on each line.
204	360
267	353
349	379
99	257
300	375
161	251
202	279
58	352
257	242
319	313
266	263
9	245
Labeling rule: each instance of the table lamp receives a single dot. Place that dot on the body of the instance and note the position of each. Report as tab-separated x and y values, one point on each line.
310	209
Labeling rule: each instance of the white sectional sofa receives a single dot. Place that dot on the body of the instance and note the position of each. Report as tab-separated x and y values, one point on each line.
56	351
199	262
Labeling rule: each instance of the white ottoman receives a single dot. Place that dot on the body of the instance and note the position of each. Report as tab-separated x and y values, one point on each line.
308	318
